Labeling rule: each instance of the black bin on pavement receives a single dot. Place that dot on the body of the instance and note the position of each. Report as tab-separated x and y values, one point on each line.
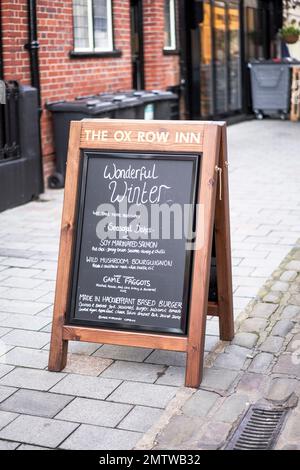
166	105
142	104
147	99
63	113
128	106
158	104
270	87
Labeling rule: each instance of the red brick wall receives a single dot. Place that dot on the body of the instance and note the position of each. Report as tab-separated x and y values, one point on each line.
66	78
160	70
14	36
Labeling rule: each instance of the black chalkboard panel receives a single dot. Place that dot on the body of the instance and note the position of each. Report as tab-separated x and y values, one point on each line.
138	278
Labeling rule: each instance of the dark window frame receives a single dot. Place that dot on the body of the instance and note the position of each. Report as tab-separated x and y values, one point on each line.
93	52
173	48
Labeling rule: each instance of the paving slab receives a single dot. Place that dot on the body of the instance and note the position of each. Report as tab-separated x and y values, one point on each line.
291	431
252	384
280	389
168	358
25	322
287	364
26	357
6	392
7	445
232	408
211	342
100	438
200	403
25	338
246	340
294	344
35	403
14	293
31	378
86	387
123	353
76	347
272	344
138	393
22	282
4	331
282	328
25	307
263	310
214	435
172	376
254	325
261	362
290	312
218	379
294	265
86	365
179	433
6	418
140	419
40	431
101	413
233	358
5	369
122	370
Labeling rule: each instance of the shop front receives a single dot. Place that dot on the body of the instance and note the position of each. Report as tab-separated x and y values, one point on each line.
218	41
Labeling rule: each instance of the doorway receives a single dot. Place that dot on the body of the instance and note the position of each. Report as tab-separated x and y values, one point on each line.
220	59
137	44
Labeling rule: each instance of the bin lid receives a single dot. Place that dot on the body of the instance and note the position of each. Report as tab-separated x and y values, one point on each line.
90	106
145	96
126	98
286	61
164	95
125	101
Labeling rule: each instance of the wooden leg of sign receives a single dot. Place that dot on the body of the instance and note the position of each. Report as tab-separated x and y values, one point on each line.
59	346
202	258
223	248
58	350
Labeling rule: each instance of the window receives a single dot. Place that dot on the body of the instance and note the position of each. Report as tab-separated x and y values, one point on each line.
92	25
170	25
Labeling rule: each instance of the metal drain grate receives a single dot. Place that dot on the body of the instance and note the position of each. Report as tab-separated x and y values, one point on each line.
258	430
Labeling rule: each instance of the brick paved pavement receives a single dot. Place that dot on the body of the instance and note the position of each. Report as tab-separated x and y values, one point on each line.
109	396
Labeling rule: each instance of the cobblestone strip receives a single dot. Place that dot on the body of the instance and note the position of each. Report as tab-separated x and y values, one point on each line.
262	364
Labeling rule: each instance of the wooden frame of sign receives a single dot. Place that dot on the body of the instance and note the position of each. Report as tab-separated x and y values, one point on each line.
212	145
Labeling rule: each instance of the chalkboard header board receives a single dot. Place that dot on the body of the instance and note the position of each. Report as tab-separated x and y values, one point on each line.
120	280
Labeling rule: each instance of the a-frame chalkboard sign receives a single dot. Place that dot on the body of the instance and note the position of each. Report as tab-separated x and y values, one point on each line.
145	291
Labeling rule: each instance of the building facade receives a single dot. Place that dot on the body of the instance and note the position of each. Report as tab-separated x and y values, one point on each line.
73	48
86	47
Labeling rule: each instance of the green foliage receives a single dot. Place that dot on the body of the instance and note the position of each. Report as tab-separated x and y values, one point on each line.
289	29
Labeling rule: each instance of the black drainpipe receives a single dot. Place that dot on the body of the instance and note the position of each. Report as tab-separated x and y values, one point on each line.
33	48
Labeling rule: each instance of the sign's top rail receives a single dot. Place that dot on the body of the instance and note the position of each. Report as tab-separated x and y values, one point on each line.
184	136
